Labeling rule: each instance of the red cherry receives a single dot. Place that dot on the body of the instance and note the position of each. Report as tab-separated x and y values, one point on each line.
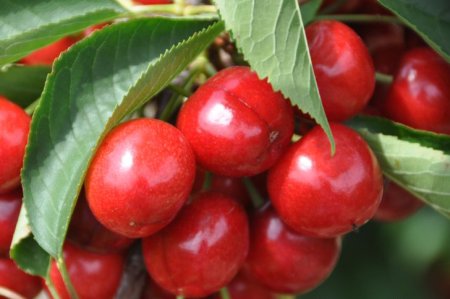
285	261
202	249
397	203
420	94
10	204
17	281
321	195
47	54
14	128
153	2
93	275
343	67
140	177
244	287
236	124
88	233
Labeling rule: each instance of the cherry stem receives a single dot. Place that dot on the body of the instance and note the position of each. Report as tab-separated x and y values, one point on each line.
362	18
30	109
224	294
384	78
208	180
256	198
66	278
190	10
51	288
285	296
176	100
179	8
180	297
179	90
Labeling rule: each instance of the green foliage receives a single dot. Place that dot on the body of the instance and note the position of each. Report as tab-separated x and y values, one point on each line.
23	84
92	87
272	38
28	25
417	160
26	252
309	10
431	19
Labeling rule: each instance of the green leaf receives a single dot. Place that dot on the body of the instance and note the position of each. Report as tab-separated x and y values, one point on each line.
28	255
92	87
28	25
309	10
417	160
23	84
430	19
271	36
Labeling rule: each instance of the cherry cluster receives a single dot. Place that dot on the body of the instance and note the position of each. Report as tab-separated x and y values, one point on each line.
183	188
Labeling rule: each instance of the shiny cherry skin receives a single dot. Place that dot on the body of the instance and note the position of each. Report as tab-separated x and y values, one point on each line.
10	204
153	2
14	128
17	281
396	204
202	249
343	68
420	94
320	195
285	261
140	177
93	275
88	233
237	125
47	54
244	287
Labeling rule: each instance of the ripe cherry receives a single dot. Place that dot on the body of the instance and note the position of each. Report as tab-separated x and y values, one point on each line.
14	128
420	95
47	54
237	125
285	261
321	195
15	280
202	249
90	234
93	275
140	177
245	287
10	204
343	68
397	203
